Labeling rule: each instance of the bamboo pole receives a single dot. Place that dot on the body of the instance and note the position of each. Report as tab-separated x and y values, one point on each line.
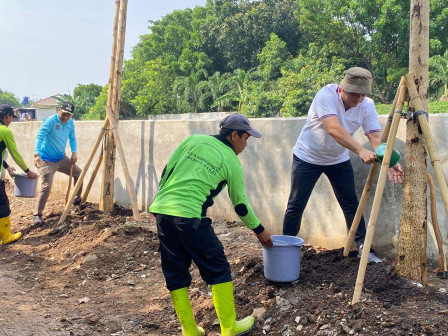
106	202
441	262
359	212
129	182
115	72
69	182
106	122
83	173
377	203
113	54
92	179
119	59
372	173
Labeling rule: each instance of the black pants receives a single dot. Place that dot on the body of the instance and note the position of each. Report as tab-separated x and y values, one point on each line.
303	179
5	210
183	240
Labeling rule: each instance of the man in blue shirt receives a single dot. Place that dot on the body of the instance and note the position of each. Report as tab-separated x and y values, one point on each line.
49	154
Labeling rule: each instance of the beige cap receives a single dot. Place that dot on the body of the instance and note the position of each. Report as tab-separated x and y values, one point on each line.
357	80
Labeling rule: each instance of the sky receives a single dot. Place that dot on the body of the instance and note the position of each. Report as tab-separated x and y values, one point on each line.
51	46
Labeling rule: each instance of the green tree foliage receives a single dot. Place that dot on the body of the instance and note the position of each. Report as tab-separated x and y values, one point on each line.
238	30
438	36
263	103
98	110
272	58
306	75
268	57
373	34
151	90
9	98
172	49
264	98
215	87
239	90
438	76
189	88
86	94
168	37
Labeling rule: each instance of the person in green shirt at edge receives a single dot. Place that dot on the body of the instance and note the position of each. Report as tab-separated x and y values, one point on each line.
197	171
7	142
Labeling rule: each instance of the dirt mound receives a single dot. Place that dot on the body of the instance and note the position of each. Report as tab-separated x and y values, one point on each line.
99	274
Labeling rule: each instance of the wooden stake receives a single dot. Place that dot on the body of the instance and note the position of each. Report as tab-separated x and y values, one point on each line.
396	106
69	183
92	179
83	173
359	212
376	203
119	59
106	202
441	262
110	119
112	70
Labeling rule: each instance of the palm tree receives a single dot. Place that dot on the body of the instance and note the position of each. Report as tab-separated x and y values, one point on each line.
216	84
190	87
240	94
439	74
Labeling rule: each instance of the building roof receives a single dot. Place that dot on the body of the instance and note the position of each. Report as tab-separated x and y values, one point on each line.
47	102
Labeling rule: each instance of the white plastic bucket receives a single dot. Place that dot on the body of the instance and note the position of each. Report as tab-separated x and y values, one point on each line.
24	186
282	261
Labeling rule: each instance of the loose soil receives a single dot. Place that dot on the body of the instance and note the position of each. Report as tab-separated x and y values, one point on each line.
99	274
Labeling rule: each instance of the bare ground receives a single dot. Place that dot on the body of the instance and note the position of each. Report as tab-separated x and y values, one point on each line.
99	274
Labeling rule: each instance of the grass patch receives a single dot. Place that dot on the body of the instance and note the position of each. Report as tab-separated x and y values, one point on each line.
434	107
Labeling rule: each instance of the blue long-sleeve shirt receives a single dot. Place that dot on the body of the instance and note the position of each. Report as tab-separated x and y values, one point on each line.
52	139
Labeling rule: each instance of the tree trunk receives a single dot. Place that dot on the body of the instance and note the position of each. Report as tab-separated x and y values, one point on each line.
411	246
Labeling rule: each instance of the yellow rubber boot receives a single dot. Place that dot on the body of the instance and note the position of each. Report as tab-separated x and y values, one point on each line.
225	309
184	313
5	231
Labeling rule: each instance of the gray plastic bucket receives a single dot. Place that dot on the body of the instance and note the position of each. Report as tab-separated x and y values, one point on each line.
24	186
282	261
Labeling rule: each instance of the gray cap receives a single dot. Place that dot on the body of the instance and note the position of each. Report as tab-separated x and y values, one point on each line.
357	80
239	122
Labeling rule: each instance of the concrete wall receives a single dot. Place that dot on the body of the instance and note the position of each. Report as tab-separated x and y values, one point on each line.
267	164
189	116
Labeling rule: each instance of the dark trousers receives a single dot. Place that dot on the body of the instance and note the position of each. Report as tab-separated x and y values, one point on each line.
5	210
303	179
183	240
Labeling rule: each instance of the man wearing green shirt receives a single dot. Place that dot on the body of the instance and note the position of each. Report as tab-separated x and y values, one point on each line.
195	174
7	142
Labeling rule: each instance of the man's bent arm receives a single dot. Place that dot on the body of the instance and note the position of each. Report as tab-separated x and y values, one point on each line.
340	134
342	137
375	139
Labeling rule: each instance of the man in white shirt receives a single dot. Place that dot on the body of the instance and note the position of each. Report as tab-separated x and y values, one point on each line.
323	145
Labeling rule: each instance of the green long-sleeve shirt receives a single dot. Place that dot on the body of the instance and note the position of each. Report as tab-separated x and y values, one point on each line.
7	141
195	174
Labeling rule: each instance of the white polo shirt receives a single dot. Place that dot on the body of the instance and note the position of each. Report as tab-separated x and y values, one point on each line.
314	144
